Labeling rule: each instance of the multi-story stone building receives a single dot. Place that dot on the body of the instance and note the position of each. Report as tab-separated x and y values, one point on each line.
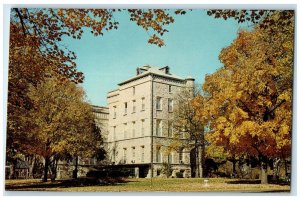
140	122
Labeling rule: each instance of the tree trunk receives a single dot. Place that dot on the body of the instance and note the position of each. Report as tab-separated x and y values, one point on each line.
12	173
46	168
76	168
31	167
198	167
197	174
200	162
285	168
276	169
234	161
263	173
53	168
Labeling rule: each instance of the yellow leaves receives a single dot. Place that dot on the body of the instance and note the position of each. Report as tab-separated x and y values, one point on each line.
61	117
239	94
227	132
288	45
233	139
256	78
242	113
286	95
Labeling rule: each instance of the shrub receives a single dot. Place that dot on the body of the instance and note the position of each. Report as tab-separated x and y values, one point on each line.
166	169
109	173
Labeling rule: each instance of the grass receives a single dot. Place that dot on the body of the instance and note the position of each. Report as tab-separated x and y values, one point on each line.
145	185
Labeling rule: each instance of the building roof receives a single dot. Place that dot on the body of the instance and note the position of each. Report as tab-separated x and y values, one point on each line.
101	109
147	70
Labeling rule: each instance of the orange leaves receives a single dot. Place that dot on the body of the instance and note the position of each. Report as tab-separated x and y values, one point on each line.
248	101
153	20
156	40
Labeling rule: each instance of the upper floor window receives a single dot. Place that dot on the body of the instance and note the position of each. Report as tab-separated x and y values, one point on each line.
170	129
125	108
133	129
142	127
115	112
158	103
133	90
158	127
133	106
170	105
125	130
143	103
170	88
114	133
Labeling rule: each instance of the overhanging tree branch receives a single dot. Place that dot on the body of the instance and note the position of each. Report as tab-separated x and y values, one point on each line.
21	20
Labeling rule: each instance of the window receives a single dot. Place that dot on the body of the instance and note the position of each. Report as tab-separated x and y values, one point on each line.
142	154
133	129
113	155
125	130
143	103
114	133
125	108
142	127
158	103
180	155
170	105
170	88
124	155
170	158
158	155
181	135
158	127
133	153
133	106
170	129
115	112
133	91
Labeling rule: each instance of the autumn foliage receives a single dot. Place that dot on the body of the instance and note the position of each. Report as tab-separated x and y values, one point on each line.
246	105
249	100
47	114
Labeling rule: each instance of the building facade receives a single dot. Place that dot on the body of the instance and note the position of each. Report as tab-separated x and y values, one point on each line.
140	123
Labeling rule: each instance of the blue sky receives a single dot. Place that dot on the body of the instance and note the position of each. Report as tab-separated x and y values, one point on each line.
193	44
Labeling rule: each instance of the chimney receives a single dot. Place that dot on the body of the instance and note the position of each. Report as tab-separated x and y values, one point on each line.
165	69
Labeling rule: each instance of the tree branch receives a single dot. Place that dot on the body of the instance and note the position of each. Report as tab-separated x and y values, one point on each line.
277	106
21	20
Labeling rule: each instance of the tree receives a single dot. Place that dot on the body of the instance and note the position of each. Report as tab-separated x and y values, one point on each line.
61	121
188	127
249	100
36	43
47	28
36	37
26	66
262	18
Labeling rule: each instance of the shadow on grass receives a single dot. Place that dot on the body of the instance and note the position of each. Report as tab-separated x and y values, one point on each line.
80	182
248	181
275	191
243	181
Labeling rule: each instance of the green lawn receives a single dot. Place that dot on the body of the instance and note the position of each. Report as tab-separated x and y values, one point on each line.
147	185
